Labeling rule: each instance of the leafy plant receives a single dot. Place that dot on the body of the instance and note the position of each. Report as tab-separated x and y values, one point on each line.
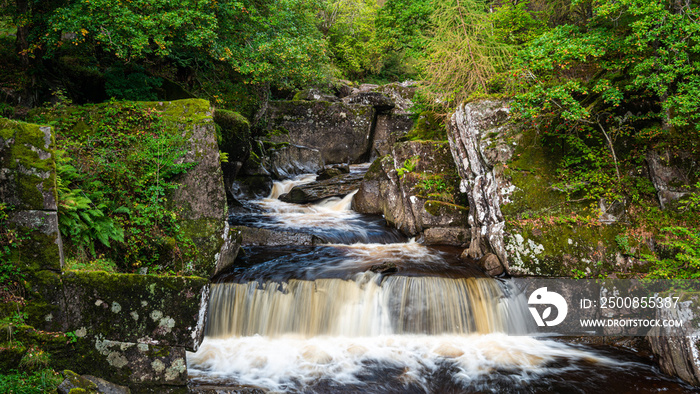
113	190
409	165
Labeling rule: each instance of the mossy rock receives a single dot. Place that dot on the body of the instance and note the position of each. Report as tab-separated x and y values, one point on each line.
11	354
427	127
149	308
441	208
532	171
234	134
570	250
28	165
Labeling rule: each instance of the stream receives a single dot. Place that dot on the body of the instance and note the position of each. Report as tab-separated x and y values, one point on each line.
317	319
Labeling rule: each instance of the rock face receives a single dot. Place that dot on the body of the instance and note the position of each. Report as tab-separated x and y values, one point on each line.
293	160
466	128
361	126
392	125
678	355
28	186
396	186
253	236
340	131
669	173
201	194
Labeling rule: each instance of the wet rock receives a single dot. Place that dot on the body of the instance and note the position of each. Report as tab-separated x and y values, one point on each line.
293	160
455	236
465	130
677	352
384	268
253	236
251	187
491	264
340	131
328	173
394	186
339	186
229	251
673	174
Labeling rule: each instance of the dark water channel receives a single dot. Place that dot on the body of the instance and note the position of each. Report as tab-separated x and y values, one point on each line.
317	319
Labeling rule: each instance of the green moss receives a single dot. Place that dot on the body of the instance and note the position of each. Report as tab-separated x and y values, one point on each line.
185	112
567	249
233	133
31	159
375	169
532	170
427	127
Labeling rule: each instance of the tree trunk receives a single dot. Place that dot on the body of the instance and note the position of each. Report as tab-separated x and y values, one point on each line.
22	43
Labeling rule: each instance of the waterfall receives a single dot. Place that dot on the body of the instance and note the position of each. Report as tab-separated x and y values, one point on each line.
365	306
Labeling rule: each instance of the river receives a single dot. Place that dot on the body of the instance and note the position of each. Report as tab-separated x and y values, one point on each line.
369	311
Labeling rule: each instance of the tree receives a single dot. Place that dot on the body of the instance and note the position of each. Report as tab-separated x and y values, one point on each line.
463	53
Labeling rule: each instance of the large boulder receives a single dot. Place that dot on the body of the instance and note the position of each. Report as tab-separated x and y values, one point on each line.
340	131
677	353
201	194
466	128
414	188
291	160
337	186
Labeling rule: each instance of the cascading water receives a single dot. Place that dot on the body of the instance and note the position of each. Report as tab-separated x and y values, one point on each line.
317	319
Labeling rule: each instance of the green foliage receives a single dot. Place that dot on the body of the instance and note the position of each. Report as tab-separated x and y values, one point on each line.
515	24
35	359
132	86
11	277
82	216
409	165
683	246
113	191
352	37
37	382
98	264
463	51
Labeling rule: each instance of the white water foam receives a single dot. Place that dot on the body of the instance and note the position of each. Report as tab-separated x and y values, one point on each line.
291	362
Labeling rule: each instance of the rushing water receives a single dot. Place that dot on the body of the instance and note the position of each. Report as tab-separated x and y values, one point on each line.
317	319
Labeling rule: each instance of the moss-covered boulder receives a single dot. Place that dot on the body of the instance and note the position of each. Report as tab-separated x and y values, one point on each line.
27	166
28	186
201	194
415	189
340	131
149	309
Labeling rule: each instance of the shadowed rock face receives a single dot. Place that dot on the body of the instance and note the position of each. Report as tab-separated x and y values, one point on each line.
340	131
466	127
